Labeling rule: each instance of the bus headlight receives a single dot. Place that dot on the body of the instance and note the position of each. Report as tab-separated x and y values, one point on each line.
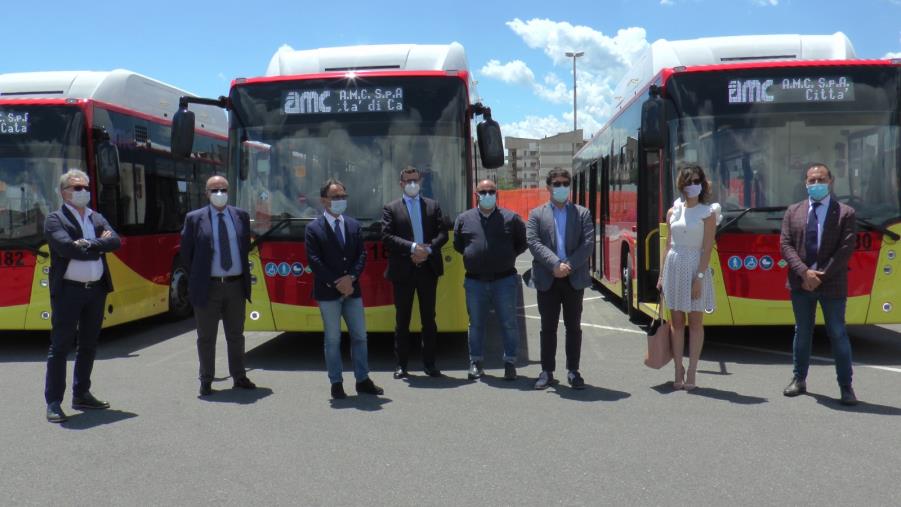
254	315
886	307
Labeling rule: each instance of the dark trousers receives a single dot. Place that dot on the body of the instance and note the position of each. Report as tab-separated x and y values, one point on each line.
423	283
226	303
561	294
76	317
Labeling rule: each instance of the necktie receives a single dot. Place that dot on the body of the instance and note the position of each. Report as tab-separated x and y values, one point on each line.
416	218
810	236
225	252
339	233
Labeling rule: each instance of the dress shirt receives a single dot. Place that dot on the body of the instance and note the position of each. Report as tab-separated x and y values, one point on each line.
342	228
821	219
235	268
84	271
410	202
560	223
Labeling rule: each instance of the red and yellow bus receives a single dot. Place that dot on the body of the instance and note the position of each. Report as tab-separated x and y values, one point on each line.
359	114
754	112
115	126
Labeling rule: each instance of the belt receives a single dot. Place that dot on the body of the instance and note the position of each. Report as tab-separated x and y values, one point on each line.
82	285
226	279
490	277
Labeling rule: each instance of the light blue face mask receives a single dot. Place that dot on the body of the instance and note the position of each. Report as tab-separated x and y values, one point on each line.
818	191
560	194
488	201
338	207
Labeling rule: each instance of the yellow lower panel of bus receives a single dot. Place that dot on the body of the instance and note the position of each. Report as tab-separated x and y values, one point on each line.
886	293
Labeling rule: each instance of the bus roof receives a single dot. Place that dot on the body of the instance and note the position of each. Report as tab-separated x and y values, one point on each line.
664	54
119	87
404	57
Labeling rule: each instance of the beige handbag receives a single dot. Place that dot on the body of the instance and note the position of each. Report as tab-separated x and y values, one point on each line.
660	349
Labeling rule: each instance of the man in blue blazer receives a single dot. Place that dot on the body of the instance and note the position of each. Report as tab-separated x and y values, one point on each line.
79	239
215	242
336	255
560	235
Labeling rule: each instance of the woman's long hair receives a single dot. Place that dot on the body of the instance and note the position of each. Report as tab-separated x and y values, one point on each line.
691	172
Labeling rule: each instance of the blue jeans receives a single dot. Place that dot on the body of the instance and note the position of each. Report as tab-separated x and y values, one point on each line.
804	305
352	311
480	296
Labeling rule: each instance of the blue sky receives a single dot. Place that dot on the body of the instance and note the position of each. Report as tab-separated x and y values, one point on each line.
515	48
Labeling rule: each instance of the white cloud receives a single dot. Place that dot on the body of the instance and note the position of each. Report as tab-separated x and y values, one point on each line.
766	3
516	72
895	54
666	2
536	127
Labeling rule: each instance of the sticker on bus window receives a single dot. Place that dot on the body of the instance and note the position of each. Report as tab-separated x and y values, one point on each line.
284	269
734	263
750	263
271	269
766	263
297	269
13	123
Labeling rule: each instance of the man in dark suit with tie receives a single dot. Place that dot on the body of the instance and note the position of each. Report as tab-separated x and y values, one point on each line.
817	242
560	235
79	239
413	232
336	255
215	242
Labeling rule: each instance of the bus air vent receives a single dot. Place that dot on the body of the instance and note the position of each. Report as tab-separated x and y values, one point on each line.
140	134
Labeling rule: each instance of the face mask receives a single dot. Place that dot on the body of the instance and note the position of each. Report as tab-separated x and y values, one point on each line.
81	198
818	191
338	207
487	201
692	190
219	200
411	189
560	194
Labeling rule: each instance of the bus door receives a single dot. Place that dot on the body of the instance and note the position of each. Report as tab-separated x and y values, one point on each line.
649	218
593	207
604	250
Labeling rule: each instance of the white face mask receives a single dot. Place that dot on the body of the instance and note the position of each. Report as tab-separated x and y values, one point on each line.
81	198
692	190
219	200
411	189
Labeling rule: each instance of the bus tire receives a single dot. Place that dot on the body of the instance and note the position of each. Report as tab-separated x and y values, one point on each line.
626	290
179	305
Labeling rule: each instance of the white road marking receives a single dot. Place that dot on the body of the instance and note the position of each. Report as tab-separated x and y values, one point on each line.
596	326
583	299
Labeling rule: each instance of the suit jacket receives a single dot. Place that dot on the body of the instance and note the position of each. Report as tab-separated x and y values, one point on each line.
836	246
61	229
329	261
541	236
397	236
197	251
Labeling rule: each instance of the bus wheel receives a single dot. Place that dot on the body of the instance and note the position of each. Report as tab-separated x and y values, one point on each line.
626	292
179	306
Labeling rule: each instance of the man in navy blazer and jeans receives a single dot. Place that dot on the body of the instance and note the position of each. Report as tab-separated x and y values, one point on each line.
79	239
215	242
336	255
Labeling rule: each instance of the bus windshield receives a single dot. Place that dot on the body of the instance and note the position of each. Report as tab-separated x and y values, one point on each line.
757	147
37	144
288	137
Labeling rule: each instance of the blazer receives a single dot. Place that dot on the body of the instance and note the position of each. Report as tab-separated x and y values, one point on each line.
329	261
541	236
836	246
61	229
397	236
197	251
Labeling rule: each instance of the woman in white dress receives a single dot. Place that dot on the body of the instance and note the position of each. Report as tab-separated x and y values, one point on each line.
685	274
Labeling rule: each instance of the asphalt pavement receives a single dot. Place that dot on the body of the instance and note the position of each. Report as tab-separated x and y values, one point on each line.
628	439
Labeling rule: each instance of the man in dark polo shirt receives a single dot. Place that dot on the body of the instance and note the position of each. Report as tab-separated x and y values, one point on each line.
490	239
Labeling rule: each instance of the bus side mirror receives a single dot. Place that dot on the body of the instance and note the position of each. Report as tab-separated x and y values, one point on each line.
182	141
650	137
108	163
491	144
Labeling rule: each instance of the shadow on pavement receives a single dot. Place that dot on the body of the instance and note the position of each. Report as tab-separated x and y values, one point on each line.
590	393
93	418
730	396
862	407
665	388
237	396
364	403
520	384
426	382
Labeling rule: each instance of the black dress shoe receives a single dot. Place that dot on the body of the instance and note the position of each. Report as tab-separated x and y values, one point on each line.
400	372
368	387
796	387
338	391
509	371
244	383
206	388
848	397
87	401
55	413
431	370
575	380
475	370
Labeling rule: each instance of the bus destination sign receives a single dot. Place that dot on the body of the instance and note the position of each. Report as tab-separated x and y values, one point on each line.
791	90
358	100
13	123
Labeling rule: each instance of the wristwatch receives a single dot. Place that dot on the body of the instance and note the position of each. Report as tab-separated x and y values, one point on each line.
701	275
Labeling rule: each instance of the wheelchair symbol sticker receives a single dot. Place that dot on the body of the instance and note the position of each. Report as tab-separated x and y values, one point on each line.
284	269
766	263
271	269
734	263
750	262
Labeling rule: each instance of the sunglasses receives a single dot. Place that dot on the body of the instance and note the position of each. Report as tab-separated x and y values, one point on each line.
413	180
78	188
486	192
339	197
217	190
558	184
696	181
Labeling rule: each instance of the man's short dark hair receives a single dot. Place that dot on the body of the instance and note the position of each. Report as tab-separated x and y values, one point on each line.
557	172
323	192
818	164
409	170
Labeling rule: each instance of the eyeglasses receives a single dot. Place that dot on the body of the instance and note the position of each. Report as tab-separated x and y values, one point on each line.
339	196
486	192
407	182
558	184
217	190
78	188
696	181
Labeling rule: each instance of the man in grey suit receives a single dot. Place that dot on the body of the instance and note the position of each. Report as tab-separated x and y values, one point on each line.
560	235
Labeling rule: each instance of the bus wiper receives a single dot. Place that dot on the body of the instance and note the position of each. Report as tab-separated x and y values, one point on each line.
282	222
35	249
736	218
878	228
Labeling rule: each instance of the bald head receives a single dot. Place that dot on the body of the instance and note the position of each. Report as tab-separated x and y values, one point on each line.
217	191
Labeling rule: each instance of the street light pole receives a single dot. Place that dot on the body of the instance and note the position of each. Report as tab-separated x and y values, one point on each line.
574	55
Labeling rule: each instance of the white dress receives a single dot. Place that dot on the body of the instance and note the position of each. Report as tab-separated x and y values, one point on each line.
686	232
